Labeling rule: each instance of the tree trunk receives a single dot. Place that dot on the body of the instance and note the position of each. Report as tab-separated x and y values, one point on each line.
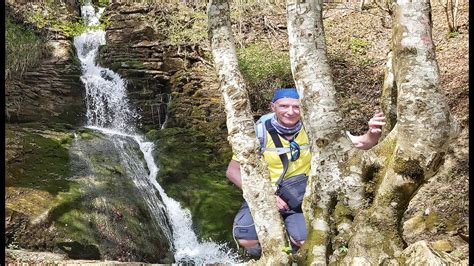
354	199
256	185
415	149
330	147
354	206
389	96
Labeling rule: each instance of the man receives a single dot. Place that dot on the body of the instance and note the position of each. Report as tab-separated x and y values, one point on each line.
285	148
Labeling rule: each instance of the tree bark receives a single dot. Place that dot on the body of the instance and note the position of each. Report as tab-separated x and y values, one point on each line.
389	96
355	199
256	185
415	149
330	147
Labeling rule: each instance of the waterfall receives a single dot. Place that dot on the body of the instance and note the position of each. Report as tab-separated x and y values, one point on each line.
109	111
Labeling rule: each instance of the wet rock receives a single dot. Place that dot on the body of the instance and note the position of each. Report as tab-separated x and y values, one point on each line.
76	198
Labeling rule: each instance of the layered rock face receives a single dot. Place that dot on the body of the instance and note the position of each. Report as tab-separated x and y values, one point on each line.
52	91
161	77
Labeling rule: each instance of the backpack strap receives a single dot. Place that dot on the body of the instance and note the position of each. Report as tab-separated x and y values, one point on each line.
261	133
276	139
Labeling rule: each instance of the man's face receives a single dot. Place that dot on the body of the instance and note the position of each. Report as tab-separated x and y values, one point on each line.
287	111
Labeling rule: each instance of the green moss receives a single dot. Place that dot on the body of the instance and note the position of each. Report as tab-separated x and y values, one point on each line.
315	238
105	211
152	134
45	165
341	212
66	214
410	168
67	140
89	134
452	222
101	3
386	152
192	171
358	46
431	220
23	49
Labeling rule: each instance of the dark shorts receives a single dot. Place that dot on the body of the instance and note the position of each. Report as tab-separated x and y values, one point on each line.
244	228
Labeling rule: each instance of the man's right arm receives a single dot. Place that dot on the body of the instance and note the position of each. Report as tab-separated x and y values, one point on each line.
233	173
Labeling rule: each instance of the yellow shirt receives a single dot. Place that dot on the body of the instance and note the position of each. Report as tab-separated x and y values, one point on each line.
275	166
300	166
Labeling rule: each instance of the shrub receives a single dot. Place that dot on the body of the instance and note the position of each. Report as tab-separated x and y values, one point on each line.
23	49
264	70
258	62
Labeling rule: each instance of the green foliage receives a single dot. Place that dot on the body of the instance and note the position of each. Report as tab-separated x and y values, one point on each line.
264	70
68	28
104	22
102	3
343	249
71	28
50	18
453	34
287	250
23	49
190	26
259	62
358	46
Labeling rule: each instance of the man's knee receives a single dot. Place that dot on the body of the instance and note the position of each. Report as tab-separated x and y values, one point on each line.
298	243
252	247
248	243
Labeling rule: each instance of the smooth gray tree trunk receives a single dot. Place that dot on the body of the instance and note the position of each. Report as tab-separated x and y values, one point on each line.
256	185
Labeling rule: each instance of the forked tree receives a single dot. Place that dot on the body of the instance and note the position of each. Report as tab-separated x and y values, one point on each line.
354	199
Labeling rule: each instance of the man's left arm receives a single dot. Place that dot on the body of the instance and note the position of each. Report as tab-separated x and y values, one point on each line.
371	138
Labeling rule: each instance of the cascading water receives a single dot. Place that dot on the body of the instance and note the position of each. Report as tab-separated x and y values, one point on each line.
109	111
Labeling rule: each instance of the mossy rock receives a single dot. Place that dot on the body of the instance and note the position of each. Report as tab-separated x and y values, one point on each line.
76	197
43	163
442	245
192	171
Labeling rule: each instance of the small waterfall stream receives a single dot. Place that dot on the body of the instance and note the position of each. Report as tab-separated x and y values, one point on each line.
109	111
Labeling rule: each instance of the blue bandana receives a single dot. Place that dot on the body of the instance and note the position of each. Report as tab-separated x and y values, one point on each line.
285	93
